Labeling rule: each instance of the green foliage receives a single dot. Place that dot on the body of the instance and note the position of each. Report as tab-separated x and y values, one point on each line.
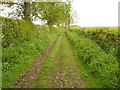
18	58
16	31
54	13
106	37
22	43
103	66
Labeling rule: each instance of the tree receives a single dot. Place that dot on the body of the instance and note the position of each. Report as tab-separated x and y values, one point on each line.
55	13
26	10
20	5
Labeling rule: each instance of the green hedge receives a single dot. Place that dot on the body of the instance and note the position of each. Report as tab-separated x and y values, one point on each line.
22	43
103	66
16	30
106	37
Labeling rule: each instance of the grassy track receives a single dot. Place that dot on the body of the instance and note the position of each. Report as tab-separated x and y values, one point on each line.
59	69
100	69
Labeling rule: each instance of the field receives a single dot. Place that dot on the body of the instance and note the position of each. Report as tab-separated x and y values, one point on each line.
39	56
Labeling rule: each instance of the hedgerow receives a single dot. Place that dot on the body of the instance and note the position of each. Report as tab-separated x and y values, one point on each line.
22	43
16	31
106	37
103	66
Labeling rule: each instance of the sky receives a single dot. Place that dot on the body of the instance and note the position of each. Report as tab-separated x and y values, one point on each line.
96	12
92	13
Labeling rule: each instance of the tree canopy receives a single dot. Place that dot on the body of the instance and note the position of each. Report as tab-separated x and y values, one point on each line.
54	13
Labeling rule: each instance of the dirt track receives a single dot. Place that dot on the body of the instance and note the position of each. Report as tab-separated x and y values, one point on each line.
55	68
27	78
60	69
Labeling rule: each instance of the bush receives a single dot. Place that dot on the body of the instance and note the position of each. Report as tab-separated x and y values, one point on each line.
22	43
16	30
106	37
102	65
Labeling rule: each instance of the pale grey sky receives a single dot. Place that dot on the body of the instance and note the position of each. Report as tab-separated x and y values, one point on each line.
93	12
96	12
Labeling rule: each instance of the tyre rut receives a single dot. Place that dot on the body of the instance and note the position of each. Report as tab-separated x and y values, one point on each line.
28	77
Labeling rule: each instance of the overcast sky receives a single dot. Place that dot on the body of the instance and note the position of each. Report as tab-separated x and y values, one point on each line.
96	12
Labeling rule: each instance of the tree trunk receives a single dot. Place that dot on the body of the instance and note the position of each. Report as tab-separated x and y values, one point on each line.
49	23
68	24
26	11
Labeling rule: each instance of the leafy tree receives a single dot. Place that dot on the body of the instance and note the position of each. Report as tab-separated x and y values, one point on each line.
21	6
55	13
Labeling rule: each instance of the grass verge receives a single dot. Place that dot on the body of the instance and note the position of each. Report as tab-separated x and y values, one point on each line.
19	58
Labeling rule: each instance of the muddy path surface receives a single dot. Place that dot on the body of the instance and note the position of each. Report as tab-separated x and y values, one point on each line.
60	69
28	77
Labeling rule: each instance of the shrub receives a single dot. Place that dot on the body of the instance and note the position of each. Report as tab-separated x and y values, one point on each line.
102	65
16	30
